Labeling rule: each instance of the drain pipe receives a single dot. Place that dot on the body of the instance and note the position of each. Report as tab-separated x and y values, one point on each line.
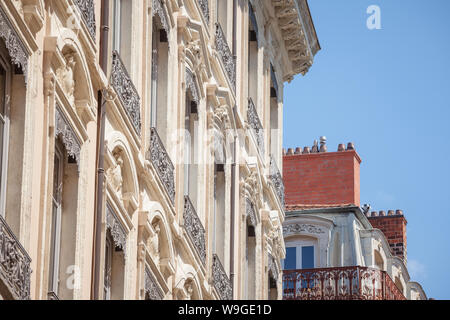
233	202
100	177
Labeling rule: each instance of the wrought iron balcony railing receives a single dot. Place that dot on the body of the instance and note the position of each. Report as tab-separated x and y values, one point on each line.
87	9
343	283
194	228
221	281
15	263
160	159
228	60
277	180
255	124
126	91
204	6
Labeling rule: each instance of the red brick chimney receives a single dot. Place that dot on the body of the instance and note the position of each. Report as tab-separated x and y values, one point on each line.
393	225
317	177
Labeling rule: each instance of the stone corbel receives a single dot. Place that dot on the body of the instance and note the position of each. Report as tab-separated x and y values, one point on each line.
85	111
145	231
129	199
167	266
33	17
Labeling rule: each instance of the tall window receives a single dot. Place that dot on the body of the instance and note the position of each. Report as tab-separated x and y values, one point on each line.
190	168
275	143
5	79
219	210
63	224
253	59
160	74
250	257
122	30
114	270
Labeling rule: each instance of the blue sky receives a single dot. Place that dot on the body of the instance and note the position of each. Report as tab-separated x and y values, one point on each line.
388	91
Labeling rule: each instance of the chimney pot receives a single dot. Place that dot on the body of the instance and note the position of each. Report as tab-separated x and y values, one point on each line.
298	151
374	214
391	213
382	213
350	146
341	147
290	152
306	150
399	212
315	148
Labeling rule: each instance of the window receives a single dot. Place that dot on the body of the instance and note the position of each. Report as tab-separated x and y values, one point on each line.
5	78
114	270
159	78
253	60
300	257
190	167
219	212
122	29
250	257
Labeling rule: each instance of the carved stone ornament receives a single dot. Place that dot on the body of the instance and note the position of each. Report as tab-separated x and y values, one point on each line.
273	267
250	212
300	227
65	132
204	7
66	76
115	227
15	263
160	159
221	282
157	8
115	173
87	9
226	56
152	290
16	48
192	86
194	229
126	91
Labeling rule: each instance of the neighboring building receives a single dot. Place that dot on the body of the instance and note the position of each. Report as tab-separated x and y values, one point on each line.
334	248
140	142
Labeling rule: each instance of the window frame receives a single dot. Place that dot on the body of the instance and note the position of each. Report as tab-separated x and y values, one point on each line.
5	118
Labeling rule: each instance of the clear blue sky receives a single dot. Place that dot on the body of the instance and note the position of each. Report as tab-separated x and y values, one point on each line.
388	91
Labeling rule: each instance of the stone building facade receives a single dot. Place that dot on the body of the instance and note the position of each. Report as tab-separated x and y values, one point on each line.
336	249
140	143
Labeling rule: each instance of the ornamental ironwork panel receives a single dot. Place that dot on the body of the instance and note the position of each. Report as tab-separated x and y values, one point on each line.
204	7
158	8
65	132
126	91
277	180
255	124
151	287
116	229
341	283
228	60
15	270
221	282
15	46
160	159
194	229
87	9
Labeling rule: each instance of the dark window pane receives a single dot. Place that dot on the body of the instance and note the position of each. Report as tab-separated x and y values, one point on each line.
291	259
307	257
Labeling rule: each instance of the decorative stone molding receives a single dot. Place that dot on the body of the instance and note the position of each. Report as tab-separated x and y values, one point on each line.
15	263
221	282
87	9
65	132
157	8
228	61
297	31
273	267
151	288
255	124
250	211
126	91
192	86
300	227
194	229
16	48
204	7
114	226
277	180
160	159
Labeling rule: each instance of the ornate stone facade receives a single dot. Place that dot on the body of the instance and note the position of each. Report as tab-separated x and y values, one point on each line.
106	181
